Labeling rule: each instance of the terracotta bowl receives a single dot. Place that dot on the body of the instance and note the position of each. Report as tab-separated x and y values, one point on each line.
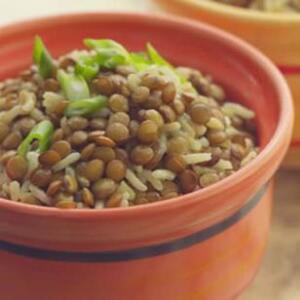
203	245
275	34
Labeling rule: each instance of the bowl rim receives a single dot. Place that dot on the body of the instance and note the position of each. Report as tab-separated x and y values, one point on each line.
285	118
239	12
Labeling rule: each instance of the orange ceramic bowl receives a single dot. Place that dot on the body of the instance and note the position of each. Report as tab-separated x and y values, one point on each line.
277	35
203	245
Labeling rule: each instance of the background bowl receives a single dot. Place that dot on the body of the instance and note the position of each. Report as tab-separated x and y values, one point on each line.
277	35
203	245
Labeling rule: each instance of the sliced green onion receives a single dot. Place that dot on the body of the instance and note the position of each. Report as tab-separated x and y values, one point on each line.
87	67
140	60
42	58
156	58
109	53
86	107
42	132
74	86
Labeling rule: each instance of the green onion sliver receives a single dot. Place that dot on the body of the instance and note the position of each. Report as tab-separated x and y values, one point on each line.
42	58
73	86
86	107
42	132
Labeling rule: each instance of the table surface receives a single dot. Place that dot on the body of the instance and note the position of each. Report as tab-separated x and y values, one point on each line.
279	276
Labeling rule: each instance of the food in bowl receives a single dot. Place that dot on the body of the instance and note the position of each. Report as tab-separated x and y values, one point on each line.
266	5
105	127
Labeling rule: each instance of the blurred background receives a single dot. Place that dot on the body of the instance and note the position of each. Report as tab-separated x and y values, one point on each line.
279	277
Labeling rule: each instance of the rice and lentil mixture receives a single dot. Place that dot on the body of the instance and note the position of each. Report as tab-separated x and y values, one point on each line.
266	5
104	127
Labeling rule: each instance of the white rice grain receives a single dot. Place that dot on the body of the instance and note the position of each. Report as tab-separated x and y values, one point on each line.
125	188
135	181
196	158
40	194
67	161
156	183
205	142
234	109
163	174
223	165
14	190
250	156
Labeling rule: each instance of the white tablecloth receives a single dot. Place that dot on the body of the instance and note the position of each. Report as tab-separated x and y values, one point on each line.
14	10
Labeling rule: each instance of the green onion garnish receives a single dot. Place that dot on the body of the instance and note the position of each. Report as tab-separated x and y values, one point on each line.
74	86
87	67
86	107
109	53
156	58
42	58
42	132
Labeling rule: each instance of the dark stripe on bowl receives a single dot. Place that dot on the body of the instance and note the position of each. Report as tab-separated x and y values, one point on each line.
289	70
136	253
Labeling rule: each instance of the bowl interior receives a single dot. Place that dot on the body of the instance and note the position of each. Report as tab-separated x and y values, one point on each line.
243	79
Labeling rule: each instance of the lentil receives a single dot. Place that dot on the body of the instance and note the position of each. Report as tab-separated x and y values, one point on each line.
49	158
147	132
104	188
141	155
41	177
118	132
16	168
118	103
116	170
63	148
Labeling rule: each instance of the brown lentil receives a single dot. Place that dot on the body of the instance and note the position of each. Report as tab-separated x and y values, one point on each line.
78	123
71	184
153	82
4	130
216	137
58	135
140	94
25	125
122	155
66	203
30	199
141	155
177	145
238	151
16	168
66	62
104	188
88	197
119	117
152	196
168	113
87	152
147	132
188	181
12	140
114	200
178	106
54	187
116	170
200	113
49	158
41	177
175	163
51	85
93	170
104	153
79	138
118	132
169	93
118	103
101	140
63	148
154	100
103	85
98	123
